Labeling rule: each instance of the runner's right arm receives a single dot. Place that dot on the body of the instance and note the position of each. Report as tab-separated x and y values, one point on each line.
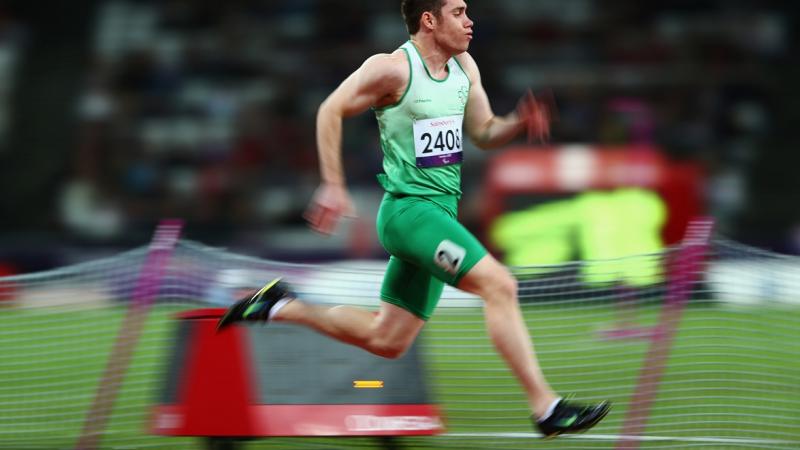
380	81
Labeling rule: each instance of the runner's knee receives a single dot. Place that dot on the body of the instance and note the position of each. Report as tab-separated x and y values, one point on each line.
502	287
388	349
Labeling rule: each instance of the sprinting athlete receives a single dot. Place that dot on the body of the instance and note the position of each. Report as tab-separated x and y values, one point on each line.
427	97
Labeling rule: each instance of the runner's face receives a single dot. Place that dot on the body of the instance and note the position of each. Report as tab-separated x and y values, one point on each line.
455	28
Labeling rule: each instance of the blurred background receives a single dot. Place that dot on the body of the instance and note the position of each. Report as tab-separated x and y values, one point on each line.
115	114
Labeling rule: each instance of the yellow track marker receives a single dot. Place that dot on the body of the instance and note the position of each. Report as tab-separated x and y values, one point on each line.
368	384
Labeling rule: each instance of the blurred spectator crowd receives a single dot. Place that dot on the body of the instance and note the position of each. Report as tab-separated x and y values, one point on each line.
206	110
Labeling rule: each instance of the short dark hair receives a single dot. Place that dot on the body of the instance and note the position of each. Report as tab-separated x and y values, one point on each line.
412	11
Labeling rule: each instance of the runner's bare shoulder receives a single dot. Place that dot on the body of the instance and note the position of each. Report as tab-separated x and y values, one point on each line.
466	61
391	72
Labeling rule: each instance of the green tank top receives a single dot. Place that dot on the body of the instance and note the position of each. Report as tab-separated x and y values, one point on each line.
421	135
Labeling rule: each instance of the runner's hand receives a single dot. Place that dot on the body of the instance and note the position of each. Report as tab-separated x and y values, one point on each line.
330	203
535	117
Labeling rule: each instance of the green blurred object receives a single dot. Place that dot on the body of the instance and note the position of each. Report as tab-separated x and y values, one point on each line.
537	236
599	227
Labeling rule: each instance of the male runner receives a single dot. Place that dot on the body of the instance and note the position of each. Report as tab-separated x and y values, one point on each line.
427	96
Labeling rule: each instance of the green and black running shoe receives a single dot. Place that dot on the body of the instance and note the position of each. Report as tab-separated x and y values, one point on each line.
568	417
257	307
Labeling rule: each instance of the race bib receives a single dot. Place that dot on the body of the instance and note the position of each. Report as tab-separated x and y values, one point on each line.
437	142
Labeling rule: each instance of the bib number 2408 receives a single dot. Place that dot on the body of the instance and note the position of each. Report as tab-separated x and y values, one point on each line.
437	142
450	141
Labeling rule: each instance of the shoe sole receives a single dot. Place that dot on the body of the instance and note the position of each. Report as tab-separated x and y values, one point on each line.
583	429
231	316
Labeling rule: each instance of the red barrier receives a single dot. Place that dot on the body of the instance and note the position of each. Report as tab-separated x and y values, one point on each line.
212	390
214	387
8	289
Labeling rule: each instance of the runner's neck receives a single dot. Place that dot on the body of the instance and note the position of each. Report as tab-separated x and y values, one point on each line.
435	57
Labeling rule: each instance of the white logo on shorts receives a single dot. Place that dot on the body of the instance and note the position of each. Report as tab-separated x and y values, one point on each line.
449	256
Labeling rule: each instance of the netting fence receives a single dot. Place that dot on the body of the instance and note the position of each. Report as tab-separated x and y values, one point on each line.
719	370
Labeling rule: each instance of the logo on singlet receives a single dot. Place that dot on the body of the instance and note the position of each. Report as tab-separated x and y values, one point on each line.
449	256
463	94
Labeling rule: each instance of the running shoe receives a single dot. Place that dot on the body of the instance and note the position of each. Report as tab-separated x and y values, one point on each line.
569	417
257	307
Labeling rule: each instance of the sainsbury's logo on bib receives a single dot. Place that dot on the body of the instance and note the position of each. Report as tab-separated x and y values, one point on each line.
442	123
437	141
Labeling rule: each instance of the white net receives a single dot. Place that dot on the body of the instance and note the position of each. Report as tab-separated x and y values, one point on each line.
718	370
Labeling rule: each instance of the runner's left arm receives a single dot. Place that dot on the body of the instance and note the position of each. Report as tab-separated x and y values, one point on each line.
487	130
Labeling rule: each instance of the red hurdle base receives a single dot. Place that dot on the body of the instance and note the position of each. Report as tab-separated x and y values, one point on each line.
211	391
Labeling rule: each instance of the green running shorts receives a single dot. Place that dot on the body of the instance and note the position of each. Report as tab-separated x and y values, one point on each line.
428	248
